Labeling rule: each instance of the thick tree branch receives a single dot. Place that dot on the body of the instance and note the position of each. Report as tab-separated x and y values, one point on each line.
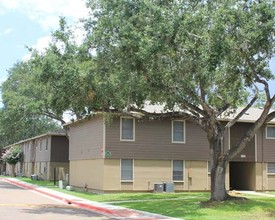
235	150
54	116
241	113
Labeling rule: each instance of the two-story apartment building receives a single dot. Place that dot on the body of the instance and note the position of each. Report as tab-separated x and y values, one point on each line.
131	155
46	156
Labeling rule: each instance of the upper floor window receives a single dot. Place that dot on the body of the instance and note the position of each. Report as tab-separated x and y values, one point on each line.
178	171
178	131
271	168
126	169
40	145
270	132
127	129
47	143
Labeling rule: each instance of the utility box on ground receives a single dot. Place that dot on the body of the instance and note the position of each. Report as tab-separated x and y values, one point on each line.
168	187
158	187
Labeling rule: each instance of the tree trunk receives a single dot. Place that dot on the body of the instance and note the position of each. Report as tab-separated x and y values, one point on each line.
218	169
218	190
13	170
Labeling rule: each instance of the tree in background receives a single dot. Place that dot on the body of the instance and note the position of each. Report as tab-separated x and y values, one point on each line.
12	156
203	57
24	113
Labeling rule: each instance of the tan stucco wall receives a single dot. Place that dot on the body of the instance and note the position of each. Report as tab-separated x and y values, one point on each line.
146	173
87	173
271	182
149	172
112	174
196	175
61	170
261	176
104	175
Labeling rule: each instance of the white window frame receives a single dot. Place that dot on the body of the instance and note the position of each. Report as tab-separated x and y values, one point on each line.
268	126
40	144
183	171
47	142
209	166
267	169
184	132
134	128
133	165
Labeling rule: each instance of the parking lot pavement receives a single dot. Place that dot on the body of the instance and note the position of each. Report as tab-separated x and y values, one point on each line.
103	208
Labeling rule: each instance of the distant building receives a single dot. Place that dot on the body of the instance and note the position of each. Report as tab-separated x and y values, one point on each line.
46	156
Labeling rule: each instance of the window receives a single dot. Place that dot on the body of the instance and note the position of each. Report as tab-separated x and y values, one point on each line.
40	144
178	170
271	168
45	168
178	131
126	170
127	129
270	132
46	143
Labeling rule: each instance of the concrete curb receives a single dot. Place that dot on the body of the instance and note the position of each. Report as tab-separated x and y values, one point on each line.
106	209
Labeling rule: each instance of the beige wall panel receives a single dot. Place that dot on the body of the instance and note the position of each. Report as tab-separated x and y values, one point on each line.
86	139
227	178
196	175
87	173
112	174
127	186
179	186
149	172
61	170
209	182
271	182
261	177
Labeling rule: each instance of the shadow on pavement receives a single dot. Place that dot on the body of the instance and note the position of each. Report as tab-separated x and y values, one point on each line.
64	210
9	186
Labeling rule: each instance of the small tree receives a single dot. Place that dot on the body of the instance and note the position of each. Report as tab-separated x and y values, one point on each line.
12	156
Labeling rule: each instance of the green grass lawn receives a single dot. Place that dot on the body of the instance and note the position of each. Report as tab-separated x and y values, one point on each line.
182	205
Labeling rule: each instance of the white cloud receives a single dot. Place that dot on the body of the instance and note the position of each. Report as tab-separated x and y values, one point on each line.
40	45
6	31
47	13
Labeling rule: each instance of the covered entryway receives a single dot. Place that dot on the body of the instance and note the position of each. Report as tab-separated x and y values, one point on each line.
242	176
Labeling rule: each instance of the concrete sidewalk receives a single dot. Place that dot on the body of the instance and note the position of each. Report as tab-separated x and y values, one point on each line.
103	208
254	193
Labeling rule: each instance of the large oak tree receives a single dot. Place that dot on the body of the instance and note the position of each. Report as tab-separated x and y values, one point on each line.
201	56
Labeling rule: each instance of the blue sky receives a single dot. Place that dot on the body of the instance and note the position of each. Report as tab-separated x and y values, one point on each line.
30	23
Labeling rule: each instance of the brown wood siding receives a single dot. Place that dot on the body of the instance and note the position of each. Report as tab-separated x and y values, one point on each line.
59	149
153	141
268	148
259	145
236	133
42	154
29	151
86	139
